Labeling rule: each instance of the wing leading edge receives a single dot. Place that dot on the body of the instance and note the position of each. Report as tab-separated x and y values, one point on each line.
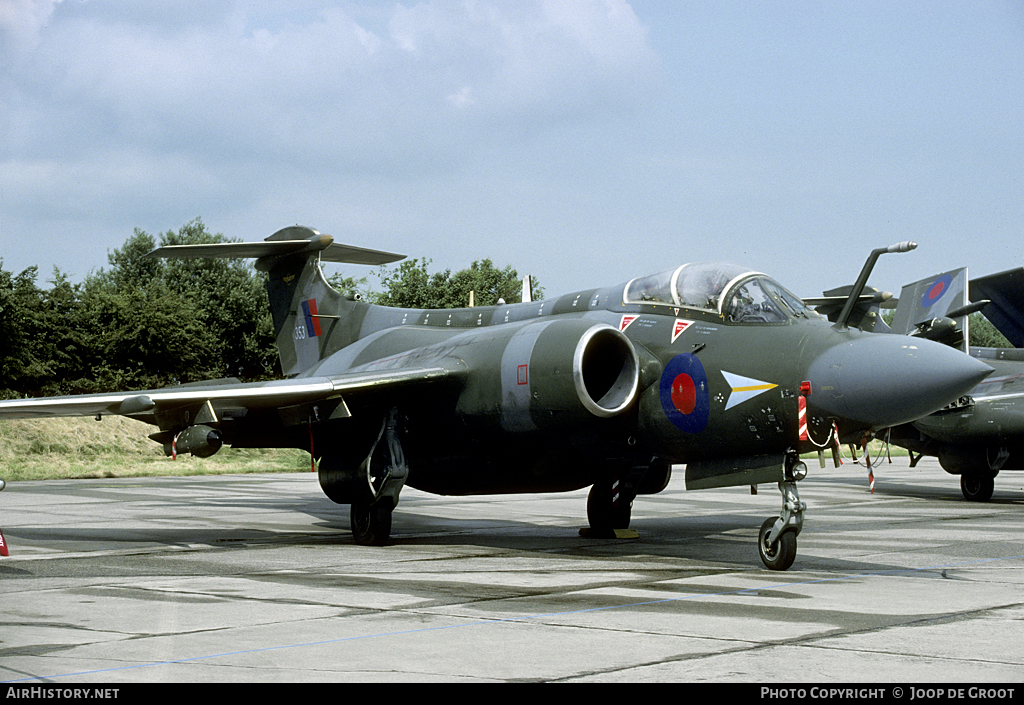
280	394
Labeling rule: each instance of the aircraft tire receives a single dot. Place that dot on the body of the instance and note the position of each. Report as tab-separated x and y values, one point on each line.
977	487
781	554
603	514
371	523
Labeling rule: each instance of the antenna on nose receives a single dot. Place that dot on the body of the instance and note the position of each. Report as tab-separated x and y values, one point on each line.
862	280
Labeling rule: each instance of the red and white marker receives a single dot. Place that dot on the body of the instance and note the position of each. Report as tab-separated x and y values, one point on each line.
801	409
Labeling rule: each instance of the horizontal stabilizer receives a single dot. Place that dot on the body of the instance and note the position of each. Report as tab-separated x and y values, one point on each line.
329	250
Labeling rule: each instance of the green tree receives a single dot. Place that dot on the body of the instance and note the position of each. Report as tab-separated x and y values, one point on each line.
147	336
155	322
23	364
144	323
66	342
411	285
232	302
129	268
489	284
348	283
985	335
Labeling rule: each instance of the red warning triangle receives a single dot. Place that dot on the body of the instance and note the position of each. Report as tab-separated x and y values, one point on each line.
681	324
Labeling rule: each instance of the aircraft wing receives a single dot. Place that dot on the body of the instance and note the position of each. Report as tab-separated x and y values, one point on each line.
219	396
1005	291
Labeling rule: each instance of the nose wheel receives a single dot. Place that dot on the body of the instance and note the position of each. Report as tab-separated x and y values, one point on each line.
776	541
780	554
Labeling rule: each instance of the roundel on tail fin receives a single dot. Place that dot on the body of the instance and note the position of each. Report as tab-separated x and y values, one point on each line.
935	291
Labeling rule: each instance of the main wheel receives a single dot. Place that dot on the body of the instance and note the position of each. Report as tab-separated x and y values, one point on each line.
977	487
604	513
371	524
779	555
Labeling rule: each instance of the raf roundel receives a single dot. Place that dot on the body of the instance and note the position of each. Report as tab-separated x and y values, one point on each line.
934	292
684	393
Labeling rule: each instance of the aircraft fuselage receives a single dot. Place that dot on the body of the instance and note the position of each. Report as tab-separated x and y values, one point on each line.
706	389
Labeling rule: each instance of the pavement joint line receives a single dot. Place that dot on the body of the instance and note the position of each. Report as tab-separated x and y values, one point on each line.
485	622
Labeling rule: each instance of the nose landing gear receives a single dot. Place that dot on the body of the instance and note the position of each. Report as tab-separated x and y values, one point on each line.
776	541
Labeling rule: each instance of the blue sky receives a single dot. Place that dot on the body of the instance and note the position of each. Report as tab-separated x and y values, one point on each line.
583	141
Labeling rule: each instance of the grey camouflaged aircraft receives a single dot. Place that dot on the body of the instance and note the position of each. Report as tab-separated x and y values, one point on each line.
982	432
709	365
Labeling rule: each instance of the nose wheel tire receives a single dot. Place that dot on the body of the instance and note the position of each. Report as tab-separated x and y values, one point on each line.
779	555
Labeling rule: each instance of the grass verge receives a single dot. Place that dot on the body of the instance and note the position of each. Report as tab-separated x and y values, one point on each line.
78	447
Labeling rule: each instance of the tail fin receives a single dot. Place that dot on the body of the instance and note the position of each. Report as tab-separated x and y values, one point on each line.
305	309
935	308
1005	292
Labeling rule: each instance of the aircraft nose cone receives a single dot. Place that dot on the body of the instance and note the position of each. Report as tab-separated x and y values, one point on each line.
885	380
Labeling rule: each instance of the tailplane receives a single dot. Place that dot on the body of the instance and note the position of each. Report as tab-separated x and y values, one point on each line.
305	309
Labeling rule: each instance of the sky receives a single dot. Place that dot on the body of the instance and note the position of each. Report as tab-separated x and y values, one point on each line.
585	142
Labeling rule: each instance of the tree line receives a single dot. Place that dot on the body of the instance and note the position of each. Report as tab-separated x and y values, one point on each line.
146	323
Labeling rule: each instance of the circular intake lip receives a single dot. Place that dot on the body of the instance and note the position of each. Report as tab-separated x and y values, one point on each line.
604	340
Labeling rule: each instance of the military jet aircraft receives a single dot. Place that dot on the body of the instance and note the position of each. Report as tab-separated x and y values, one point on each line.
982	432
711	365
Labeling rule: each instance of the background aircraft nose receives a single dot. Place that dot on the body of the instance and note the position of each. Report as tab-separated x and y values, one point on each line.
885	380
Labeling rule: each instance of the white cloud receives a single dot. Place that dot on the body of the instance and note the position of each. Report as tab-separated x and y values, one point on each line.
328	85
21	22
149	114
463	98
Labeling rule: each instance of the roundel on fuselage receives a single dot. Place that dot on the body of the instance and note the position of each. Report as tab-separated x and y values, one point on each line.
684	393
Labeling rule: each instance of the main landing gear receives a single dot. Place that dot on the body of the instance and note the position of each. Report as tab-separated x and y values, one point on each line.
609	507
776	541
978	486
371	523
977	468
385	471
610	502
369	480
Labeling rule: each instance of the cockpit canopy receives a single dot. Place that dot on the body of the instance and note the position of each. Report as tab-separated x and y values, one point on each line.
733	292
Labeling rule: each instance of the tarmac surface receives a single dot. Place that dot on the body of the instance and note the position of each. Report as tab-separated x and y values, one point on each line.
253	578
